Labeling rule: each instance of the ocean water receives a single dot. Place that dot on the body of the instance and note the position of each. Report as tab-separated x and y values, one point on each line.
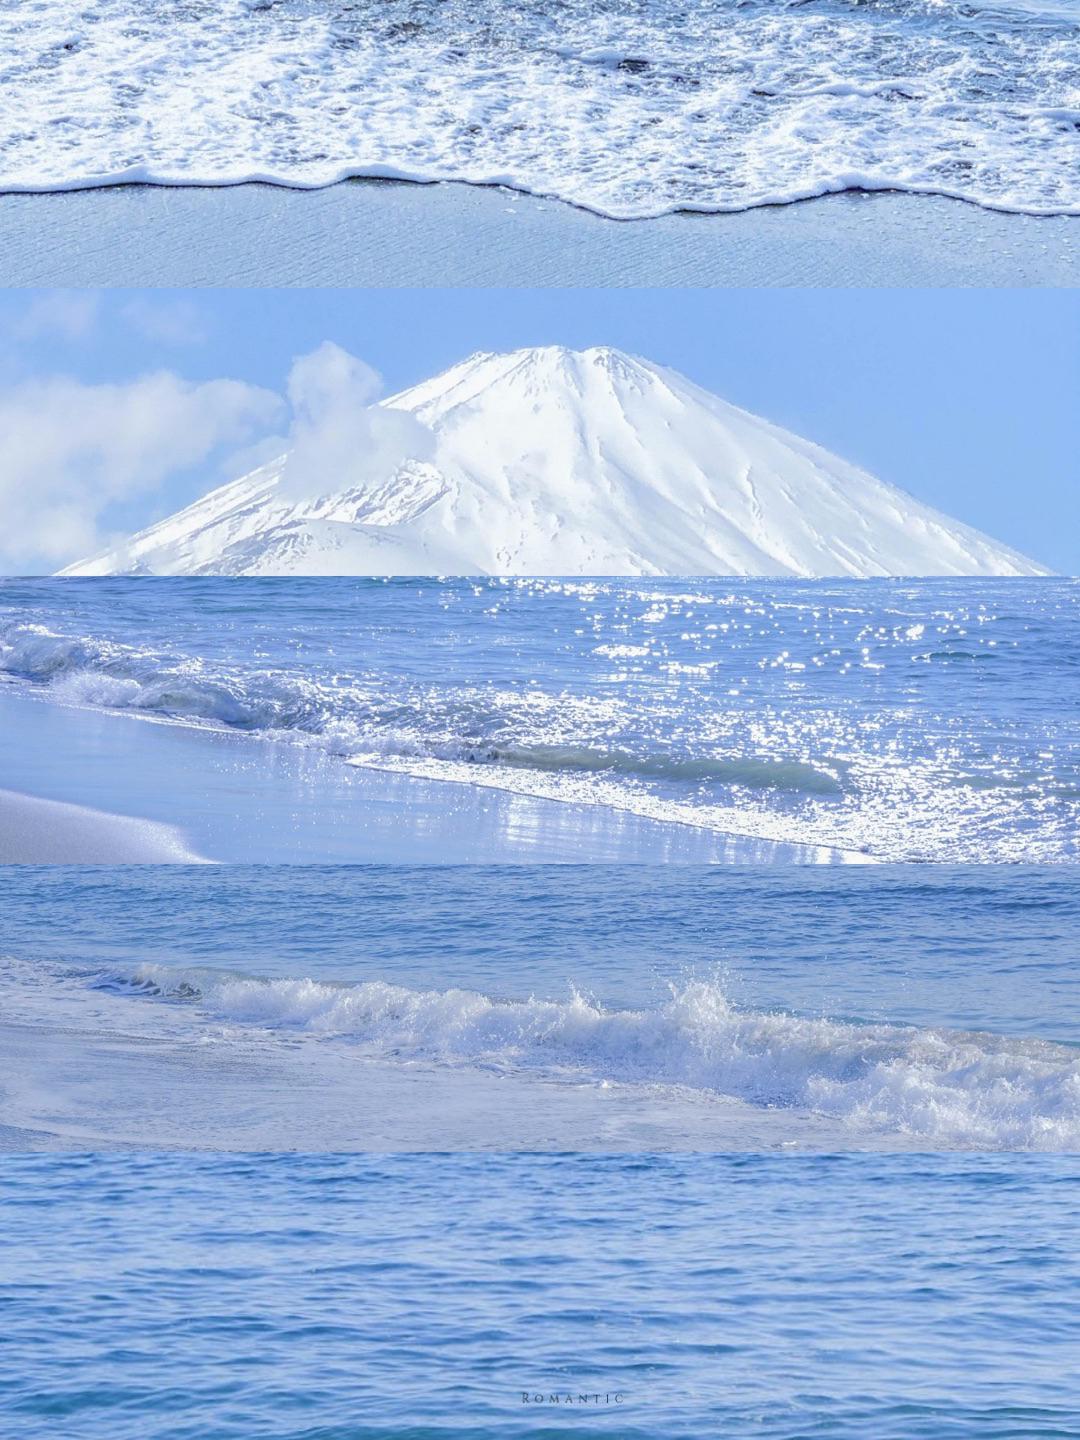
552	1007
893	721
628	107
404	1298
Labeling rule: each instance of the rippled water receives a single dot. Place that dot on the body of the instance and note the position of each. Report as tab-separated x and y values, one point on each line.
898	721
878	1008
628	107
152	1296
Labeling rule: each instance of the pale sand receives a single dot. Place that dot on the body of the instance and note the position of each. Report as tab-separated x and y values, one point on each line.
50	832
237	798
387	233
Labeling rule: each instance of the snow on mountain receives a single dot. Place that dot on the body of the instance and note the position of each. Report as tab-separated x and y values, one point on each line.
557	462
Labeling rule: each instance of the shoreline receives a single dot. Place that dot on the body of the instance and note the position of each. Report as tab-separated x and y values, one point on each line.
383	232
284	1099
246	799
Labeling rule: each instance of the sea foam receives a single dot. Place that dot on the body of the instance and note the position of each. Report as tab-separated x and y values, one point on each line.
953	1088
632	110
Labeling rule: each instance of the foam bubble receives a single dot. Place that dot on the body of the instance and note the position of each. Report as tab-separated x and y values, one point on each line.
631	110
946	1087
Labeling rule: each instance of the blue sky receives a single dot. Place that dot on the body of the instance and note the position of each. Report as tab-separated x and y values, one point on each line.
966	398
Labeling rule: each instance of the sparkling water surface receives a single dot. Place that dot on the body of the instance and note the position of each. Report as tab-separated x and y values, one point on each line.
889	720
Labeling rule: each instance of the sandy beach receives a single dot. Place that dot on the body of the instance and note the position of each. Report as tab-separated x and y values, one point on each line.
237	798
50	832
387	233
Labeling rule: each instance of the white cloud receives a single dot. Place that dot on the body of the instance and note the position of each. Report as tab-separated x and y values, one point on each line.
167	321
71	450
75	315
340	438
71	314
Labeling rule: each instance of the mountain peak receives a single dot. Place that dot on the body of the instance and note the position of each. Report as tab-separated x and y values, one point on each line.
556	363
555	357
532	373
553	461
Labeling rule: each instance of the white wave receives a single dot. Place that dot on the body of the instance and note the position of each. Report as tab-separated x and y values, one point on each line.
629	110
821	843
945	1087
85	670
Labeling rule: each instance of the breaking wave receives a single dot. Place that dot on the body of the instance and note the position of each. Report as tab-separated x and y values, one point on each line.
951	1088
364	724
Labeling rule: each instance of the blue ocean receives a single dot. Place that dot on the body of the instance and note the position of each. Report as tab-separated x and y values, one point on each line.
393	1152
896	721
300	1297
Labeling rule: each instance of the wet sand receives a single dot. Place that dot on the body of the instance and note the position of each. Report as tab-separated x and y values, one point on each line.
242	799
390	233
114	1091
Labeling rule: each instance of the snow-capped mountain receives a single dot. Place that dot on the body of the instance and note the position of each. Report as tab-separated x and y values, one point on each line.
557	462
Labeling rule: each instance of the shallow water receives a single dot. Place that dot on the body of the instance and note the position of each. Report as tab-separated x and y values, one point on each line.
801	1007
889	720
624	106
305	1296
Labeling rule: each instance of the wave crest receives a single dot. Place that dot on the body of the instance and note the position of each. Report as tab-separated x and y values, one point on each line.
948	1087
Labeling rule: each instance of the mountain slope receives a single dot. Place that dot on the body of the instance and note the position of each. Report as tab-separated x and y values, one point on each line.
557	462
